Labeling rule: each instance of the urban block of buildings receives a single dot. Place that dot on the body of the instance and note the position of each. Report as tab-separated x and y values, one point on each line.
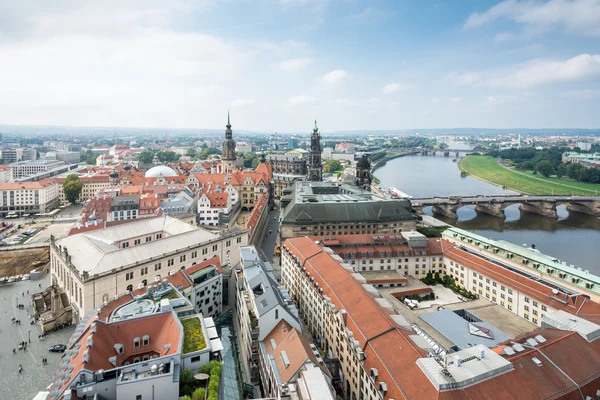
276	358
134	346
386	350
588	160
93	266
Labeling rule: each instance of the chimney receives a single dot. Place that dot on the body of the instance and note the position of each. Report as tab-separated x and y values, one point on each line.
481	353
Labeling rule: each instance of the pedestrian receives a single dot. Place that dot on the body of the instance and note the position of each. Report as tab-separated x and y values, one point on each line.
20	368
40	285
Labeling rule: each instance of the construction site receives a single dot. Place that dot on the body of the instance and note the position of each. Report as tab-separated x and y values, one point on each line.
24	260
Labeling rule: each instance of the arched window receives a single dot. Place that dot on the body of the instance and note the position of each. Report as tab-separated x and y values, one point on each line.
145	282
105	298
130	288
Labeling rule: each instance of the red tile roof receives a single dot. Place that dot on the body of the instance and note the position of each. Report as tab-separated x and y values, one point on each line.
211	261
254	216
367	320
44	183
575	305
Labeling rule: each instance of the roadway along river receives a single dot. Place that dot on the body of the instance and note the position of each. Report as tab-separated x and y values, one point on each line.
573	238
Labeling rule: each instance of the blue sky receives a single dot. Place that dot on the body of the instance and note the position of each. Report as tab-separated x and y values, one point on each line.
279	64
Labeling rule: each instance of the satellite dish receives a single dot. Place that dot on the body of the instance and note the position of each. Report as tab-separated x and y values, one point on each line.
154	368
555	291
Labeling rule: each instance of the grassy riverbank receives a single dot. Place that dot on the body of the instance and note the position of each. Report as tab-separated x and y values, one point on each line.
486	168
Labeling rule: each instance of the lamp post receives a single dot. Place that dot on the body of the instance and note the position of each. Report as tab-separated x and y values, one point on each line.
29	334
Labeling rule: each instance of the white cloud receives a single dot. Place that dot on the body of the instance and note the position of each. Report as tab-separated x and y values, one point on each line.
467	78
392	88
435	100
574	16
334	77
500	99
542	72
294	64
455	99
242	102
370	14
300	100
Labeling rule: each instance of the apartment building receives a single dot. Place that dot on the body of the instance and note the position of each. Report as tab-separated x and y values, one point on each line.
28	197
249	184
291	367
217	205
260	304
207	287
5	173
381	355
92	183
329	209
27	168
529	260
409	252
93	266
17	154
132	347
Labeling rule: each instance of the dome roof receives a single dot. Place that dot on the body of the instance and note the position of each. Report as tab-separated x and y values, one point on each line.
160	170
363	162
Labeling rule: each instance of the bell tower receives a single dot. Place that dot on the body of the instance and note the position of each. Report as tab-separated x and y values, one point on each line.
314	164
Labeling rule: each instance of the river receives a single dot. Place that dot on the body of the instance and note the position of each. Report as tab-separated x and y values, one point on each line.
572	238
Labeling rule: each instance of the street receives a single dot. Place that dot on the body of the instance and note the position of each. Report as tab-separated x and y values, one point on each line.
270	240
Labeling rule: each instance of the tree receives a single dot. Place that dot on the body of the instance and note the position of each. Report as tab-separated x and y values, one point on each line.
332	165
199	394
146	157
191	152
72	188
561	170
545	168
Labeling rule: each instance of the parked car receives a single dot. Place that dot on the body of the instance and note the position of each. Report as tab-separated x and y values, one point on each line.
57	348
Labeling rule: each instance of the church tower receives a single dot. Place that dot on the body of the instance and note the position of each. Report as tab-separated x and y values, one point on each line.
314	165
363	173
228	152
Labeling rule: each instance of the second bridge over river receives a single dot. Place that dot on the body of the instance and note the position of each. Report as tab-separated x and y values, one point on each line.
494	205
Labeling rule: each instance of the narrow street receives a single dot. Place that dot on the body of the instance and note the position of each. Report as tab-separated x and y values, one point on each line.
270	240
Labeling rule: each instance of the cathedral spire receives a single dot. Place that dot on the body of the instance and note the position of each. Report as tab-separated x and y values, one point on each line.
315	129
228	123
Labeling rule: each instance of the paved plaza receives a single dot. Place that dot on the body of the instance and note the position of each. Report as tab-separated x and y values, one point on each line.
35	376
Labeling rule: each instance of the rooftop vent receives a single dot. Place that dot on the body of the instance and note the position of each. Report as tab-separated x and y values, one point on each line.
540	339
374	373
532	342
517	347
537	361
508	351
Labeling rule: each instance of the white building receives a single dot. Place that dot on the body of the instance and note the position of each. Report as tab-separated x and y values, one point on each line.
28	197
207	291
218	205
6	174
94	266
27	168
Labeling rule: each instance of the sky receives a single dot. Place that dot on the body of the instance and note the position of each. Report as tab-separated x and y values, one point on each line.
278	65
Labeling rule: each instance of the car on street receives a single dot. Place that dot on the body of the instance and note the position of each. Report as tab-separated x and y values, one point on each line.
57	348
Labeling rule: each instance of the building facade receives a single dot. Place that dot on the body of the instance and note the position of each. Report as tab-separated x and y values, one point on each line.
27	168
94	266
259	306
286	171
28	197
325	209
6	174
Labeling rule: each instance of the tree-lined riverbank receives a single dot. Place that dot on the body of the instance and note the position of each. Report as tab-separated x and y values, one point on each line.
487	169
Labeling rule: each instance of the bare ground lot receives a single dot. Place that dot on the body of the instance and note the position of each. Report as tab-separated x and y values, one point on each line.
18	262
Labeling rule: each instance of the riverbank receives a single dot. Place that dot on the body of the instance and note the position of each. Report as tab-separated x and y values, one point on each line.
486	168
391	156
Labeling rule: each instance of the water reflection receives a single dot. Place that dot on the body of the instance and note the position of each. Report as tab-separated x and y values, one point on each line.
572	237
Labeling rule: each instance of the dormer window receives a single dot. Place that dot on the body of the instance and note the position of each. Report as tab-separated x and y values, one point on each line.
146	340
136	342
118	348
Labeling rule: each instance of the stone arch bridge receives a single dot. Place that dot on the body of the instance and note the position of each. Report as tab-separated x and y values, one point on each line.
495	205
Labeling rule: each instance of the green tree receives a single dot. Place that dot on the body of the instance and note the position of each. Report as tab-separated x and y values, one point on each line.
332	165
561	170
199	394
545	168
191	152
72	188
146	156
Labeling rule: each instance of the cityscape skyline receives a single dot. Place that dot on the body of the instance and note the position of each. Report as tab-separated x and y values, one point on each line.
496	64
